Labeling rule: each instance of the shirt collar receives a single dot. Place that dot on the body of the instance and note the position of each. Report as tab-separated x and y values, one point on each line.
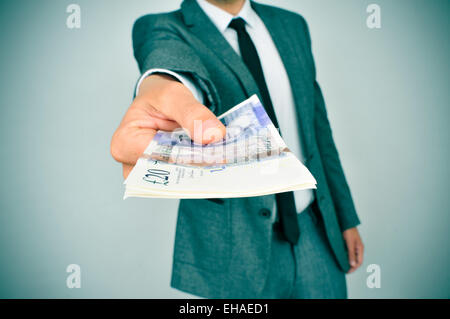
222	19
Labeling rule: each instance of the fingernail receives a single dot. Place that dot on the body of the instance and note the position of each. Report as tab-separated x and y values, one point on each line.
212	131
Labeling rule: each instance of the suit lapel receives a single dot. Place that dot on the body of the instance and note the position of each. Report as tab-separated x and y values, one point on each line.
206	31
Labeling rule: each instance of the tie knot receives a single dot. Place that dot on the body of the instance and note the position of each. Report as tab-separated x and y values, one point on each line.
237	24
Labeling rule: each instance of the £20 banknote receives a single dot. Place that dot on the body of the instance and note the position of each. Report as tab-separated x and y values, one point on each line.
251	160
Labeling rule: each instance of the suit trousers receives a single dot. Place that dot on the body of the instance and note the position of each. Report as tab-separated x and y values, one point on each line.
306	270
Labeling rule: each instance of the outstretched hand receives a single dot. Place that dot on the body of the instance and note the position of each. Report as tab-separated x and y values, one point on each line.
162	104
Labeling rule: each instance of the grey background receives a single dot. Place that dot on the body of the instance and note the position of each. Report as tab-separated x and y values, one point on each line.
63	93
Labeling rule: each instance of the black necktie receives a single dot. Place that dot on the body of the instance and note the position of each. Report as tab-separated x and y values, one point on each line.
285	201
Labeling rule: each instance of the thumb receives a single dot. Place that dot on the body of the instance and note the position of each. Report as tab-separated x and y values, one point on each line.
201	124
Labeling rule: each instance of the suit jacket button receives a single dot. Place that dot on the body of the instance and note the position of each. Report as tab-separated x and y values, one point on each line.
264	212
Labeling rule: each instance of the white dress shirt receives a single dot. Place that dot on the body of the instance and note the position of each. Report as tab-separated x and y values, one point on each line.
274	73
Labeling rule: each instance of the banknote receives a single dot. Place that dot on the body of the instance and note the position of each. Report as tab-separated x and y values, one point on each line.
251	160
250	136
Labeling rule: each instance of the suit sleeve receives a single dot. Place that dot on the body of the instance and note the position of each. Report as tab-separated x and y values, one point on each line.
158	45
182	78
334	173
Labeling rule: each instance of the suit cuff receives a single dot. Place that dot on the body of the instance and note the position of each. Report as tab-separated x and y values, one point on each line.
350	222
187	81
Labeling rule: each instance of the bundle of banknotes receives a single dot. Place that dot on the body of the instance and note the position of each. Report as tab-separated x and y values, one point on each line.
251	160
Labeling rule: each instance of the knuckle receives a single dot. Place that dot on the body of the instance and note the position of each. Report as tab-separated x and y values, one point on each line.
169	90
115	151
116	146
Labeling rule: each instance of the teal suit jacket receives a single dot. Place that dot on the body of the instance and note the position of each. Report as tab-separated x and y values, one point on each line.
222	247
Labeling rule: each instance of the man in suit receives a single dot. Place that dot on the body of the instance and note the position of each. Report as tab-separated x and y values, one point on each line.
198	62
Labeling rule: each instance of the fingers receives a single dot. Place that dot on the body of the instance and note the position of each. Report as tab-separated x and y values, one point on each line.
175	102
155	124
129	142
201	124
136	131
355	249
351	255
126	168
359	253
